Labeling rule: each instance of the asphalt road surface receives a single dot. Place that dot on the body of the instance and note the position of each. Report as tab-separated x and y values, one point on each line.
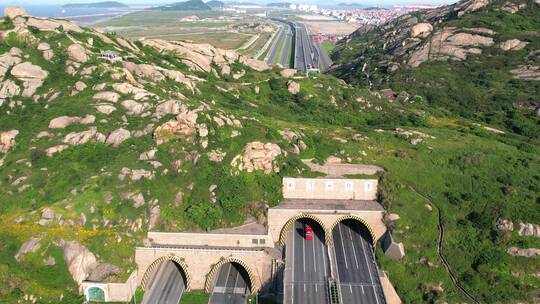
274	48
284	38
165	286
304	50
310	266
231	285
356	268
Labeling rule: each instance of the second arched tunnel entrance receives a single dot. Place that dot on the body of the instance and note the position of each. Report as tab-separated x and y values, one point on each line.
232	285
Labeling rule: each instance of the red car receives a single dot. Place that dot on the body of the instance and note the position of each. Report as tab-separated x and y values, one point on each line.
309	232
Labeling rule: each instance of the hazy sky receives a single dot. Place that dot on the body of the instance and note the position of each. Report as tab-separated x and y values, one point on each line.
154	2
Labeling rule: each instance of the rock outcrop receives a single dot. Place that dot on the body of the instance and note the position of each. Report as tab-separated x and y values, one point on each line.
77	53
528	252
64	121
513	45
31	75
504	225
32	245
7	140
293	87
258	156
184	126
529	230
82	263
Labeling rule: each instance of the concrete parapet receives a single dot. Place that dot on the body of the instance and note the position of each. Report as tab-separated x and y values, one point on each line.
329	188
210	239
389	292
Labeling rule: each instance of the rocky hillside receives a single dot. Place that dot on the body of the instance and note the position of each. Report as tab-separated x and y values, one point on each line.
477	58
103	139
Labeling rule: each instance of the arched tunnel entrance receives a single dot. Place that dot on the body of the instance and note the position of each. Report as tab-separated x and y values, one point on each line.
356	269
232	283
165	281
307	267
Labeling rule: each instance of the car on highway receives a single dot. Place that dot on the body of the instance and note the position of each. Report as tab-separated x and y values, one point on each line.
308	231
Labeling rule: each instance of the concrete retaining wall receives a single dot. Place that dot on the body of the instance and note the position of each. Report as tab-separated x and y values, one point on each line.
277	218
114	292
199	262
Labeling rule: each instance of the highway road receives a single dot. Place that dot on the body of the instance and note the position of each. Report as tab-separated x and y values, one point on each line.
304	49
284	37
310	266
358	275
231	285
166	285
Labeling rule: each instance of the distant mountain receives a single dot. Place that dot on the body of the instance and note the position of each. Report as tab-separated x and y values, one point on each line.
279	4
215	4
104	4
190	5
350	4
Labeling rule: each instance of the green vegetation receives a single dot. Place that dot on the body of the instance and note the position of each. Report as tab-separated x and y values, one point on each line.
479	88
468	174
328	46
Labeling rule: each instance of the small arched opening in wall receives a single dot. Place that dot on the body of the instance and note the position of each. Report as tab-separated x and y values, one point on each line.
176	260
243	267
365	229
290	223
95	294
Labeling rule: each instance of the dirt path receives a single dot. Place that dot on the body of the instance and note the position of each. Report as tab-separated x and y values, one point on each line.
440	249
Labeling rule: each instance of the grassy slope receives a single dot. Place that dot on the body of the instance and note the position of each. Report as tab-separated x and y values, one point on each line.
480	87
471	175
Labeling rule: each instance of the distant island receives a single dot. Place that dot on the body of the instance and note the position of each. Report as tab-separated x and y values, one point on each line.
190	5
104	4
215	4
279	4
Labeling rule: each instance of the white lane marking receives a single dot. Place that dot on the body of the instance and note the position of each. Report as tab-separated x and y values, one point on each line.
227	277
304	252
316	288
292	259
304	287
354	249
350	287
236	280
343	247
362	288
337	268
314	256
369	268
324	252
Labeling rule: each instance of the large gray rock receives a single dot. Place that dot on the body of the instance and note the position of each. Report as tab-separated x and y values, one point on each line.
525	252
421	30
31	75
32	245
46	51
102	271
293	87
7	140
8	89
527	229
12	12
117	137
77	53
79	259
107	96
258	156
64	121
184	126
513	45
